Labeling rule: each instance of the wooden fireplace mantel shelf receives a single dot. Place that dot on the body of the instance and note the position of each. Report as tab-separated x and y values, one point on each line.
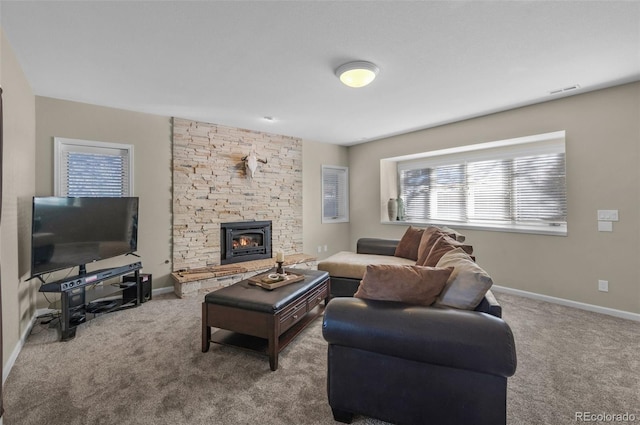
191	275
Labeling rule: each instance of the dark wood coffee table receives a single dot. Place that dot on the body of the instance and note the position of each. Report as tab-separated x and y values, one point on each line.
260	320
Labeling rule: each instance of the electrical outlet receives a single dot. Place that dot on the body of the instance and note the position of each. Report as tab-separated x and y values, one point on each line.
603	285
605	226
319	248
325	248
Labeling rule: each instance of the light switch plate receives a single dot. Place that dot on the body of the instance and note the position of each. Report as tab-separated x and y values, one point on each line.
608	215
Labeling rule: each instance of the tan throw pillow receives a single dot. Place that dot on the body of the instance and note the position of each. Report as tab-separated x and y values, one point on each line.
453	233
441	246
408	245
468	283
408	284
429	237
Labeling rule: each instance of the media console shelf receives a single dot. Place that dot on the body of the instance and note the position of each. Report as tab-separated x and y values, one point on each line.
73	297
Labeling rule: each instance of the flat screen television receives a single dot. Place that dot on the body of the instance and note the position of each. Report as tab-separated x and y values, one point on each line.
70	232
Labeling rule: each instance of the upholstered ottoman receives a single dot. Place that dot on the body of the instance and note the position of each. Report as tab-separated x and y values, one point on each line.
257	319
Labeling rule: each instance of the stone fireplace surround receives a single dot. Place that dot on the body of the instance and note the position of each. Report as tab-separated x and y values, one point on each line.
211	186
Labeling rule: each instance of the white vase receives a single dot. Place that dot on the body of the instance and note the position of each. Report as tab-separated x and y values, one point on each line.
392	209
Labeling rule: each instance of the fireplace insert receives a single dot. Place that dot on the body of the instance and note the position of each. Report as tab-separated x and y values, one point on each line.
245	241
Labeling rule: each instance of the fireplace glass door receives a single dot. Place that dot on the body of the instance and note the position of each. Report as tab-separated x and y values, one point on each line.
245	241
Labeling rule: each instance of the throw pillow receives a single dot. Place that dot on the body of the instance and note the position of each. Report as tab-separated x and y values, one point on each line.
429	237
408	245
408	284
468	283
441	246
438	245
453	233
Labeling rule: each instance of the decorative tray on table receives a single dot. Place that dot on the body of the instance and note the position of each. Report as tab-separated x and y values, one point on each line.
273	280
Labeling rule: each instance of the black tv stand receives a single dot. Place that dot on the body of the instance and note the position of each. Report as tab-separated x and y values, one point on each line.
73	296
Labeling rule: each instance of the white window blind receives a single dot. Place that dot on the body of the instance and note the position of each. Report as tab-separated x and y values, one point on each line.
517	185
88	168
335	194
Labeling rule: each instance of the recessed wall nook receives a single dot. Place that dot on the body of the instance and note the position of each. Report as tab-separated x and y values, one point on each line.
212	185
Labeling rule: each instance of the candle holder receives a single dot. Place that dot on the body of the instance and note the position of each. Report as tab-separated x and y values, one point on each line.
279	269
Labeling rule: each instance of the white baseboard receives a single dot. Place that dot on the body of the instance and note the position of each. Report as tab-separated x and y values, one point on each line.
569	303
16	350
165	290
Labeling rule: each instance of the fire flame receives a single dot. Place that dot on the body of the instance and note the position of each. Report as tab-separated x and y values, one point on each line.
244	241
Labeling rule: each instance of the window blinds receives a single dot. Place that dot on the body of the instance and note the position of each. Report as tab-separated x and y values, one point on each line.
335	194
93	169
96	174
507	185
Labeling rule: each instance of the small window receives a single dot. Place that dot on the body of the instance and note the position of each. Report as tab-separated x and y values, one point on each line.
88	168
335	194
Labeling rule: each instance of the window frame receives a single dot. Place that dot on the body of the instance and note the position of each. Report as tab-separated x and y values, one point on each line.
503	150
63	145
342	185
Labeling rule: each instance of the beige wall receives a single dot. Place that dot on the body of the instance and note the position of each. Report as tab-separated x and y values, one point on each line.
18	182
151	137
336	235
602	143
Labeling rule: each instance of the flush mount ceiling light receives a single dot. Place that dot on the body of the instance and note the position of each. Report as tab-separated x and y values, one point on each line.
357	74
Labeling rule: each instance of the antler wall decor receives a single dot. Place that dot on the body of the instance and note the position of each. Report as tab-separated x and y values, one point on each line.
251	163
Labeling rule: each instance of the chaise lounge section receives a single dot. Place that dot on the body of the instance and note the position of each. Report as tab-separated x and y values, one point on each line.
347	269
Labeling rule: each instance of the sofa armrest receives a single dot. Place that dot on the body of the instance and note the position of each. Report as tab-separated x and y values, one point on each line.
490	305
448	337
377	246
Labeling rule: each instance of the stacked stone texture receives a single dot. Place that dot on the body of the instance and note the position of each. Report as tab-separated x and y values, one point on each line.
212	186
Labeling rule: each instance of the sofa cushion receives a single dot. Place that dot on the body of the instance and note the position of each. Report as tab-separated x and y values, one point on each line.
441	246
408	245
409	284
429	237
435	245
417	242
351	265
453	233
468	283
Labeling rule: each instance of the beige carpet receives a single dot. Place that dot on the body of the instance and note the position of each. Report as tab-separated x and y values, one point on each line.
144	366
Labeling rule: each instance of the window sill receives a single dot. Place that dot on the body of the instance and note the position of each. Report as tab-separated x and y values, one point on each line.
344	220
535	230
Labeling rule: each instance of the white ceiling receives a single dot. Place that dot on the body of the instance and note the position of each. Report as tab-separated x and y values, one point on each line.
236	62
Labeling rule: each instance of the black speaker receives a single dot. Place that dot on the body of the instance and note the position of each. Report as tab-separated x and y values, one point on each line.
129	294
76	307
76	298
